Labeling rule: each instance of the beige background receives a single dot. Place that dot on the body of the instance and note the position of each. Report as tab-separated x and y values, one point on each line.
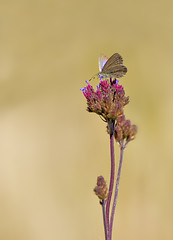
52	150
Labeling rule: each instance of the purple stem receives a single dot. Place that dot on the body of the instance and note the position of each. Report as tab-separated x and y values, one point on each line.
103	203
116	192
112	176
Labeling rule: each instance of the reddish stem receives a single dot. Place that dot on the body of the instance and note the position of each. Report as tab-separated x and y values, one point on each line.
116	192
112	176
103	203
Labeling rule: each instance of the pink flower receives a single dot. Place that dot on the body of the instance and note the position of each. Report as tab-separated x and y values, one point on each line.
108	100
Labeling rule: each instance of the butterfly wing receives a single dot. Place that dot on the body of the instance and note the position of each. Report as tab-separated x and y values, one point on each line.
102	61
117	71
114	60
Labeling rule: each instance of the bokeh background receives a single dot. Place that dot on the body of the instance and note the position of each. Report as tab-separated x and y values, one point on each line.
52	149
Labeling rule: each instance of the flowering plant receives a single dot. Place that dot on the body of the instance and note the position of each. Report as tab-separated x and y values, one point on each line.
108	101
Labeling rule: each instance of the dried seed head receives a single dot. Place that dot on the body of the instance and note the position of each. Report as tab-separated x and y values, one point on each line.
101	189
124	131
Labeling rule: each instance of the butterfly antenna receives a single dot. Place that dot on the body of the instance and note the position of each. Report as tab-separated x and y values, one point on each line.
93	77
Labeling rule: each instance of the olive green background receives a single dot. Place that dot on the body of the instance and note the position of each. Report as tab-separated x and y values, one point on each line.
52	149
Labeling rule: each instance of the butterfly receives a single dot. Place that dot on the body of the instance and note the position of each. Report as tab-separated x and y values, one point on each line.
111	67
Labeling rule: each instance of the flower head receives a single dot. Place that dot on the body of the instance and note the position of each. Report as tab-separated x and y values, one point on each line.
124	130
108	100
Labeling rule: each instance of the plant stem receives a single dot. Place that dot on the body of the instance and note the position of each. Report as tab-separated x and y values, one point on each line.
112	176
103	203
116	192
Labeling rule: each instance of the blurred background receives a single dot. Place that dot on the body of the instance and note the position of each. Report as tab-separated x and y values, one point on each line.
52	149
